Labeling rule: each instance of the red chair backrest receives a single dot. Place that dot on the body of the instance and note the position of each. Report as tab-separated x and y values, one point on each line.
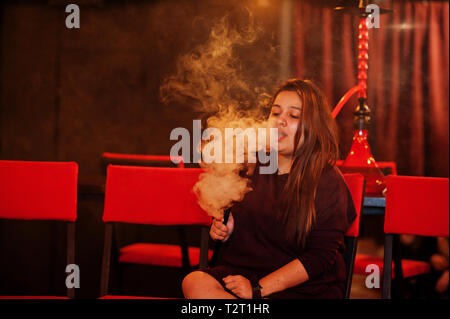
355	184
417	205
144	158
38	190
391	165
152	195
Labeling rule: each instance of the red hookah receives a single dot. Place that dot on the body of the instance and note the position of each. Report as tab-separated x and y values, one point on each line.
360	158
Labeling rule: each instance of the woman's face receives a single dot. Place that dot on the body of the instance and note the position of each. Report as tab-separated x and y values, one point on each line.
285	115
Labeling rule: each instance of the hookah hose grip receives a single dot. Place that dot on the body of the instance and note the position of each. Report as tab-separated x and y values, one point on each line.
215	255
226	215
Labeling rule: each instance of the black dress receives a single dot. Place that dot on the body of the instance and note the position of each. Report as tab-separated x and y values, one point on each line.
258	246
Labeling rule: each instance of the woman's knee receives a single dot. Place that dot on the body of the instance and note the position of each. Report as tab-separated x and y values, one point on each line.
191	283
196	283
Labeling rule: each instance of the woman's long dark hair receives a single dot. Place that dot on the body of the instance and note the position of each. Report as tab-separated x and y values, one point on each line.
318	149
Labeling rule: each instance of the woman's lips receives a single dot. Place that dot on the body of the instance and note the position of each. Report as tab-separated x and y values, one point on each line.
282	136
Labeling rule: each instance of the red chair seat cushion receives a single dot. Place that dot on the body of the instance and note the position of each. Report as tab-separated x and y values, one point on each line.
129	297
410	267
158	254
33	297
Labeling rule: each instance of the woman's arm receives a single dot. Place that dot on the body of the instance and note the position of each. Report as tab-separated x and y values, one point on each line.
289	275
318	257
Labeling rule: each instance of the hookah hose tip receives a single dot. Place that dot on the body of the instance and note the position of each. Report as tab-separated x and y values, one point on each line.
226	215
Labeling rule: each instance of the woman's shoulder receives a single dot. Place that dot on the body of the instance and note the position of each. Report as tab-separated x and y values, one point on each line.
331	178
333	198
331	189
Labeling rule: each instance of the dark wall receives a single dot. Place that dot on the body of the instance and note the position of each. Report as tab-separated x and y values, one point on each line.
72	94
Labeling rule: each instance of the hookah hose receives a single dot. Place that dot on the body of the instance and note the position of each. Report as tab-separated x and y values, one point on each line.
215	255
344	100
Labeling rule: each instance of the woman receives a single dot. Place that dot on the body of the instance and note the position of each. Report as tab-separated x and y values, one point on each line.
286	238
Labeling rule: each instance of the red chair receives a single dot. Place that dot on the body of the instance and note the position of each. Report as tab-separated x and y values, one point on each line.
388	168
41	191
149	254
409	268
140	160
416	206
362	260
152	196
356	186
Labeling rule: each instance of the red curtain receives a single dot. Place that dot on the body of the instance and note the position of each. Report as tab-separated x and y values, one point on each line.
408	89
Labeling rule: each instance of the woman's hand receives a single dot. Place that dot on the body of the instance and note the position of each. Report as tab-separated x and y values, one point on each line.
239	285
221	232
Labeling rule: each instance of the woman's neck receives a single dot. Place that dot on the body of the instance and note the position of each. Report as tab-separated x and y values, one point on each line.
284	164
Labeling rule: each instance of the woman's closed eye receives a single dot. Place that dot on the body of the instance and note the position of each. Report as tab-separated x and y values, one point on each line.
294	116
275	110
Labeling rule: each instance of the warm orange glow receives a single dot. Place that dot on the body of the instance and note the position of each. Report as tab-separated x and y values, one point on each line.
263	3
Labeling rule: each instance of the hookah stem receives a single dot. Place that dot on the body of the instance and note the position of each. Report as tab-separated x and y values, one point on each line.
363	66
226	215
363	57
